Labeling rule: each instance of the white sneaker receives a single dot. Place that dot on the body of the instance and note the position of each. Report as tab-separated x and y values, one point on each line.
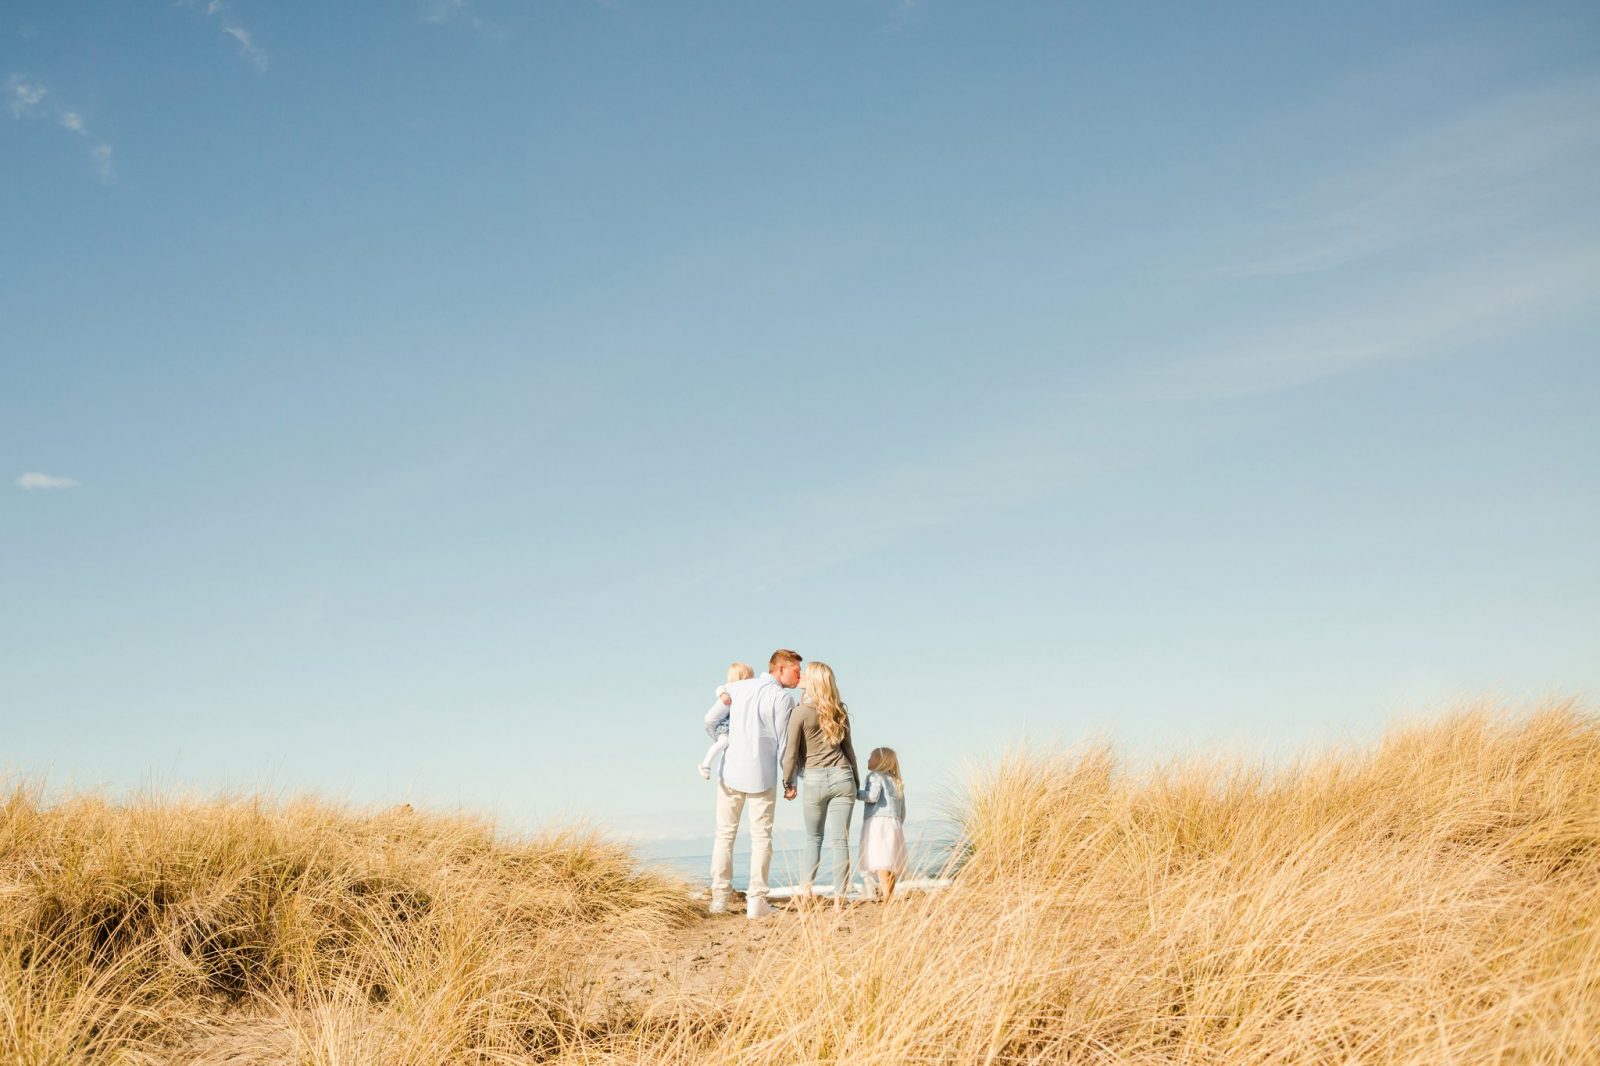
757	907
705	772
719	906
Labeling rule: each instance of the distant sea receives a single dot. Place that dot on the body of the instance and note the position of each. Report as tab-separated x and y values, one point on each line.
928	855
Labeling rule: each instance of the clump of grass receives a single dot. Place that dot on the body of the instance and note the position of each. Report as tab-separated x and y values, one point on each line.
1434	899
389	937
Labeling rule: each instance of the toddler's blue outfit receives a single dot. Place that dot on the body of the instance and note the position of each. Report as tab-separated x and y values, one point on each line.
718	732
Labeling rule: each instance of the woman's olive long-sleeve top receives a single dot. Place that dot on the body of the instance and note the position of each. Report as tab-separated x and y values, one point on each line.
809	749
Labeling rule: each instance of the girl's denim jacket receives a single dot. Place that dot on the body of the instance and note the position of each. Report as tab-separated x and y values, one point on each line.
883	795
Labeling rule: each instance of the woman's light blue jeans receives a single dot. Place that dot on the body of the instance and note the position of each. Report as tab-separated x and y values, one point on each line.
828	796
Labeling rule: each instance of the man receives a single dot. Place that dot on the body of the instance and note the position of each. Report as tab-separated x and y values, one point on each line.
758	727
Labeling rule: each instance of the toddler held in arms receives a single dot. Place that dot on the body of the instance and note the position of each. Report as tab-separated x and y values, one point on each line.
719	731
883	834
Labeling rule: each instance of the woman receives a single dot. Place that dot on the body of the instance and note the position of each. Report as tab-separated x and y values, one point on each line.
819	744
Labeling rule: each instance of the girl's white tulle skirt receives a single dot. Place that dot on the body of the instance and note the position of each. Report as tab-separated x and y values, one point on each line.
883	845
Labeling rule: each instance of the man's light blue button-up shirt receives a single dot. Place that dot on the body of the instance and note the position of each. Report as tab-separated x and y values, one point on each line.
758	728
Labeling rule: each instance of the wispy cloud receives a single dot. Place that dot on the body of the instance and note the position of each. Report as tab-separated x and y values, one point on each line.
983	473
1502	164
35	480
441	12
1484	301
26	99
100	156
252	54
1465	232
222	11
23	95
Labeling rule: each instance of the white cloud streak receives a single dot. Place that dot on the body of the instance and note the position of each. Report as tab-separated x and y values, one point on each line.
221	10
995	471
1495	166
440	12
251	53
1467	232
1483	302
35	480
25	97
100	156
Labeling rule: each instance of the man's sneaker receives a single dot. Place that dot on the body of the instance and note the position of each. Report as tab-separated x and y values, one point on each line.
757	907
705	771
719	906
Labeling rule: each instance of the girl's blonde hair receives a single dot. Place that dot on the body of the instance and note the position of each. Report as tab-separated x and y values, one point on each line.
822	692
888	763
740	672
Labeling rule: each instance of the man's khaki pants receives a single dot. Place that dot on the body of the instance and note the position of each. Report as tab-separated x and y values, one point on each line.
730	805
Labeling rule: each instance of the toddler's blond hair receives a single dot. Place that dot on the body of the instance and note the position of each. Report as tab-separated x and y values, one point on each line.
740	672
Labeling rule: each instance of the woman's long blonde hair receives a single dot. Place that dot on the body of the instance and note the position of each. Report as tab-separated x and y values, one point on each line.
822	692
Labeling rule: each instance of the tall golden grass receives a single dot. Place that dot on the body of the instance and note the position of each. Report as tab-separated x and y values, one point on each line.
1433	899
163	931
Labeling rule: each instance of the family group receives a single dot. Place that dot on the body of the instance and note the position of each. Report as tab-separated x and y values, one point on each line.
790	726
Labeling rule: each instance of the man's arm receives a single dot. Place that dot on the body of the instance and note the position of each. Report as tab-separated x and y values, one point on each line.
716	714
782	710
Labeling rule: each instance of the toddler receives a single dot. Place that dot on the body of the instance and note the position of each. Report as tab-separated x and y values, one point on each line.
719	731
883	834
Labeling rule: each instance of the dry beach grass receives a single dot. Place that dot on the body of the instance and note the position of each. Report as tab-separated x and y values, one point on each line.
1433	899
233	931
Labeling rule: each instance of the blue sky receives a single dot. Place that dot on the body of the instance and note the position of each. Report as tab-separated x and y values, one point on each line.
427	400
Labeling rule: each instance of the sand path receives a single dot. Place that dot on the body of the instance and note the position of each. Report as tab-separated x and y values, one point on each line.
711	956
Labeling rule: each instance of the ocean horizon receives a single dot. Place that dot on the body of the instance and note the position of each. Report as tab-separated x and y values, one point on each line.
928	856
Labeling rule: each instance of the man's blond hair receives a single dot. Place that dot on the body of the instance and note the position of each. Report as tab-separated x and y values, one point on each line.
781	656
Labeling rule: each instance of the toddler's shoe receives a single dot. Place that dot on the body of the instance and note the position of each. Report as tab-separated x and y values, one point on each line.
705	771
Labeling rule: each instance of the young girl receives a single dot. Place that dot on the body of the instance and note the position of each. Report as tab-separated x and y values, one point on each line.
883	834
719	732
